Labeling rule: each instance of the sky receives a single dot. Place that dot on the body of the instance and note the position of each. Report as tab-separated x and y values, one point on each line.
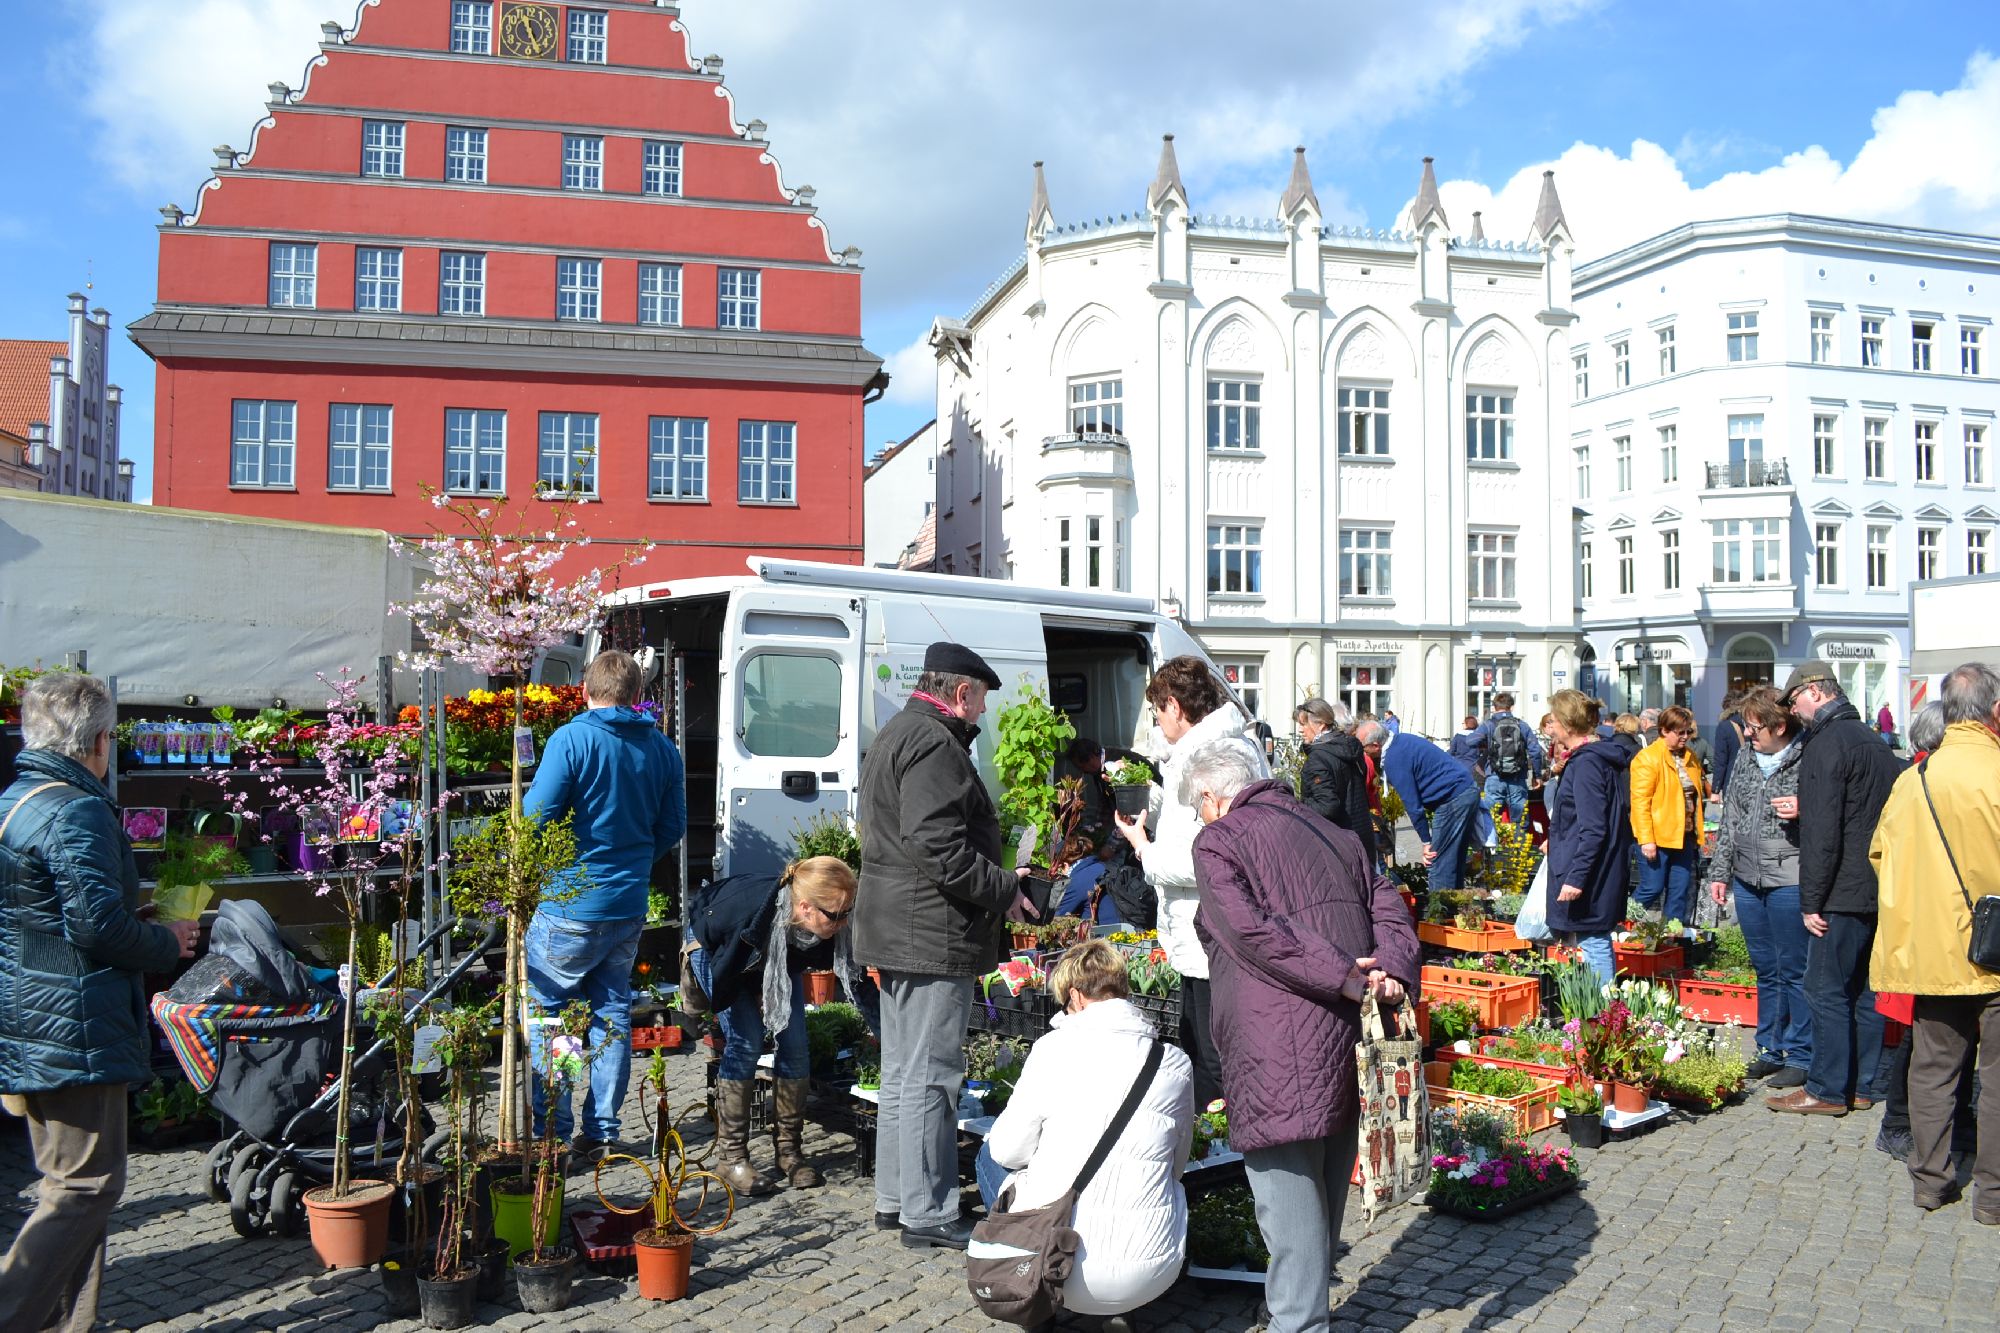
918	124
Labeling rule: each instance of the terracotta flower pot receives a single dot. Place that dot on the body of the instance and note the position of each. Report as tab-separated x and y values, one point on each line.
352	1231
665	1259
1628	1098
822	987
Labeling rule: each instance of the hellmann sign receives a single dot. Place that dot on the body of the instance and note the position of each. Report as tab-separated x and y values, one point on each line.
1838	651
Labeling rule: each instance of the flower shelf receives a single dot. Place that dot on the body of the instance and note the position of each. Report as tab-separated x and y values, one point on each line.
1528	1112
1502	1001
1558	1073
1490	938
1633	961
1718	1001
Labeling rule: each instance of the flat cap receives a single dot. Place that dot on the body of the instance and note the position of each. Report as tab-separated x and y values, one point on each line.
1804	674
958	660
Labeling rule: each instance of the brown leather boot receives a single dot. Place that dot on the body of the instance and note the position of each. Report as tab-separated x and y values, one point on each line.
790	1122
732	1138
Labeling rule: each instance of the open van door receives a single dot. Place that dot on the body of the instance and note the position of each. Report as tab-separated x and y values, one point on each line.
790	742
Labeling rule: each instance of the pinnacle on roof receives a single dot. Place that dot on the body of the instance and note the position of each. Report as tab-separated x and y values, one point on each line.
1167	180
1428	205
1039	212
1478	228
1300	190
1549	212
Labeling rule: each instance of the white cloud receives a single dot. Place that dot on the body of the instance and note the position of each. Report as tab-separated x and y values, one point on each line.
171	79
912	374
917	121
1933	160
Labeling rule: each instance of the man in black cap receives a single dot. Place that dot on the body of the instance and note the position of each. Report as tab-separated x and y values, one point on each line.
933	896
1844	780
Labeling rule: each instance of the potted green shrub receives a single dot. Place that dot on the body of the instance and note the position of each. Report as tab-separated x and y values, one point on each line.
546	1273
449	1284
1131	785
1583	1115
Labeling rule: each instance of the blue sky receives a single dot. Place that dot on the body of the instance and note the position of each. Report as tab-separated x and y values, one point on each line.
917	124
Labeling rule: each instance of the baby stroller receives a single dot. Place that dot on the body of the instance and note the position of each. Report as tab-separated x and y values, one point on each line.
254	1030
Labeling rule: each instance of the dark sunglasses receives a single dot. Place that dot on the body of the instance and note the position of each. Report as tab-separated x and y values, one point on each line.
830	916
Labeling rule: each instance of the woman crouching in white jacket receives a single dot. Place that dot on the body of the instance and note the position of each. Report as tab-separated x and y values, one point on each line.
1132	1218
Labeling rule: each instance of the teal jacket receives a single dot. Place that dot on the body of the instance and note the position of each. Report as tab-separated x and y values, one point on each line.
616	771
73	954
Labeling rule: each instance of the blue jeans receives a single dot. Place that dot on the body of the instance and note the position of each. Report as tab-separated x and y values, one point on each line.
589	961
1847	1032
1510	793
1777	938
743	1027
1597	953
1669	878
1451	832
990	1175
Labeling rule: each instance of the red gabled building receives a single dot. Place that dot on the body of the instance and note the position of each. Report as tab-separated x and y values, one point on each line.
496	246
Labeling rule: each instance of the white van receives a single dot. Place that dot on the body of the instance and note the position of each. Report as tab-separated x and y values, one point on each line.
773	683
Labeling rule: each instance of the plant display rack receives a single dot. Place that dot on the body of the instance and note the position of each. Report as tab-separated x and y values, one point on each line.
1528	1111
1501	1001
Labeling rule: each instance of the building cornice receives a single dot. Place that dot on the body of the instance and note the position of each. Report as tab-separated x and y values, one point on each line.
348	178
513	346
348	111
512	62
477	245
1777	229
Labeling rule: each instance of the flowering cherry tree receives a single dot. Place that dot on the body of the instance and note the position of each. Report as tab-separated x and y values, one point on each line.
494	600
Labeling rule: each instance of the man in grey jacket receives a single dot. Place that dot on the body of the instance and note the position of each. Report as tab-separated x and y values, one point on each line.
933	895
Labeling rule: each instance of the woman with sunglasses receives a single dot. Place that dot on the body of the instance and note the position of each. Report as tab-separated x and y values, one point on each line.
736	928
1757	858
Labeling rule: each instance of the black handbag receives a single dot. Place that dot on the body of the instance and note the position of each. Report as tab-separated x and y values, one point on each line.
1984	948
1017	1262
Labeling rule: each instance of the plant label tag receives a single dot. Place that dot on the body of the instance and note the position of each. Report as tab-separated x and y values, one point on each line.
423	1050
524	746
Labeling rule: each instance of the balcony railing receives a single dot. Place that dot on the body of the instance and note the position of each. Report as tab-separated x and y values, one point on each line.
1729	476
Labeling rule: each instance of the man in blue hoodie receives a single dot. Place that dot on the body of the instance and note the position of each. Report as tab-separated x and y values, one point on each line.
622	780
1433	787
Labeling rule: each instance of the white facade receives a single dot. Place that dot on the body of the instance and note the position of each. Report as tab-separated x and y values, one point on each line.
899	490
1802	479
1264	424
79	441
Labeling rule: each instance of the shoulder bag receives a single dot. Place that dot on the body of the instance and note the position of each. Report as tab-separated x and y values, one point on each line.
1017	1263
1984	948
1393	1140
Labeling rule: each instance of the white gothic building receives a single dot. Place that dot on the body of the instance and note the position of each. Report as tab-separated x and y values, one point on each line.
1326	449
1778	424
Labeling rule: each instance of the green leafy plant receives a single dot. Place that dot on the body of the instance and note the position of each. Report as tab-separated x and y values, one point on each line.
375	954
1579	994
990	1057
163	1103
1150	978
828	833
831	1029
1708	1076
186	861
1032	735
1415	878
1489	1080
260	731
1059	933
1223	1231
1454	1020
1129	773
463	1048
1532	1043
659	906
1579	1100
1210	1127
1653	934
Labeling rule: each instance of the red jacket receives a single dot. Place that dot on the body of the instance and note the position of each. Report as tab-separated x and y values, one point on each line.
1288	902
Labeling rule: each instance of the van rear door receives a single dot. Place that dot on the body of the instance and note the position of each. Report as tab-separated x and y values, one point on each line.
789	746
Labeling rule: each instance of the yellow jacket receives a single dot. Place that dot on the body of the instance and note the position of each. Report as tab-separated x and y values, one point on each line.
1658	811
1924	928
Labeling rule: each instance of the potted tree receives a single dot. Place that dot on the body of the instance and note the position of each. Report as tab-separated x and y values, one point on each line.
545	1273
449	1284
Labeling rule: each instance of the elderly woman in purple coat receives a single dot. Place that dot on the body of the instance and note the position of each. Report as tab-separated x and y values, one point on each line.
1297	926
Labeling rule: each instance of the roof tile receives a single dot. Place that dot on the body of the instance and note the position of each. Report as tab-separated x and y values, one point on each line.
24	382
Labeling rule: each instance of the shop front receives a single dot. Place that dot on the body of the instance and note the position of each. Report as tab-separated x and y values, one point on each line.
1652	673
1867	666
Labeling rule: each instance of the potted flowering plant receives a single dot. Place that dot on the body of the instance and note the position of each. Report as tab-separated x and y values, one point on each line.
1131	785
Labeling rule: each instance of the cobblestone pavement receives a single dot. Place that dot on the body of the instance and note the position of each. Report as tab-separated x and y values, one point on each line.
1741	1219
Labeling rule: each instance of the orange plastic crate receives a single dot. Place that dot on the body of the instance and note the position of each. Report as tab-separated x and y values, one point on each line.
1502	1002
1718	1001
1633	961
667	1037
1530	1111
1491	938
1484	1046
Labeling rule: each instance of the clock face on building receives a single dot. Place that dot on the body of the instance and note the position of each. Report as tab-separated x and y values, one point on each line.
529	32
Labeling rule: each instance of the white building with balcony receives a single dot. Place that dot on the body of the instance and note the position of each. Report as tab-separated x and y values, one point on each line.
1778	424
1327	449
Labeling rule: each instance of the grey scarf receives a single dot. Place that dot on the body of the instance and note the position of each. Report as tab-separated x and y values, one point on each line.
777	963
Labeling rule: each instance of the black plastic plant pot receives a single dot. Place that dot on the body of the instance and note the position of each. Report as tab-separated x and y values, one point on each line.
448	1302
399	1285
1585	1131
489	1260
545	1287
1132	800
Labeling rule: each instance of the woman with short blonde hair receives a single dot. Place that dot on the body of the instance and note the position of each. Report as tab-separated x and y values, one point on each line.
1094	969
737	928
